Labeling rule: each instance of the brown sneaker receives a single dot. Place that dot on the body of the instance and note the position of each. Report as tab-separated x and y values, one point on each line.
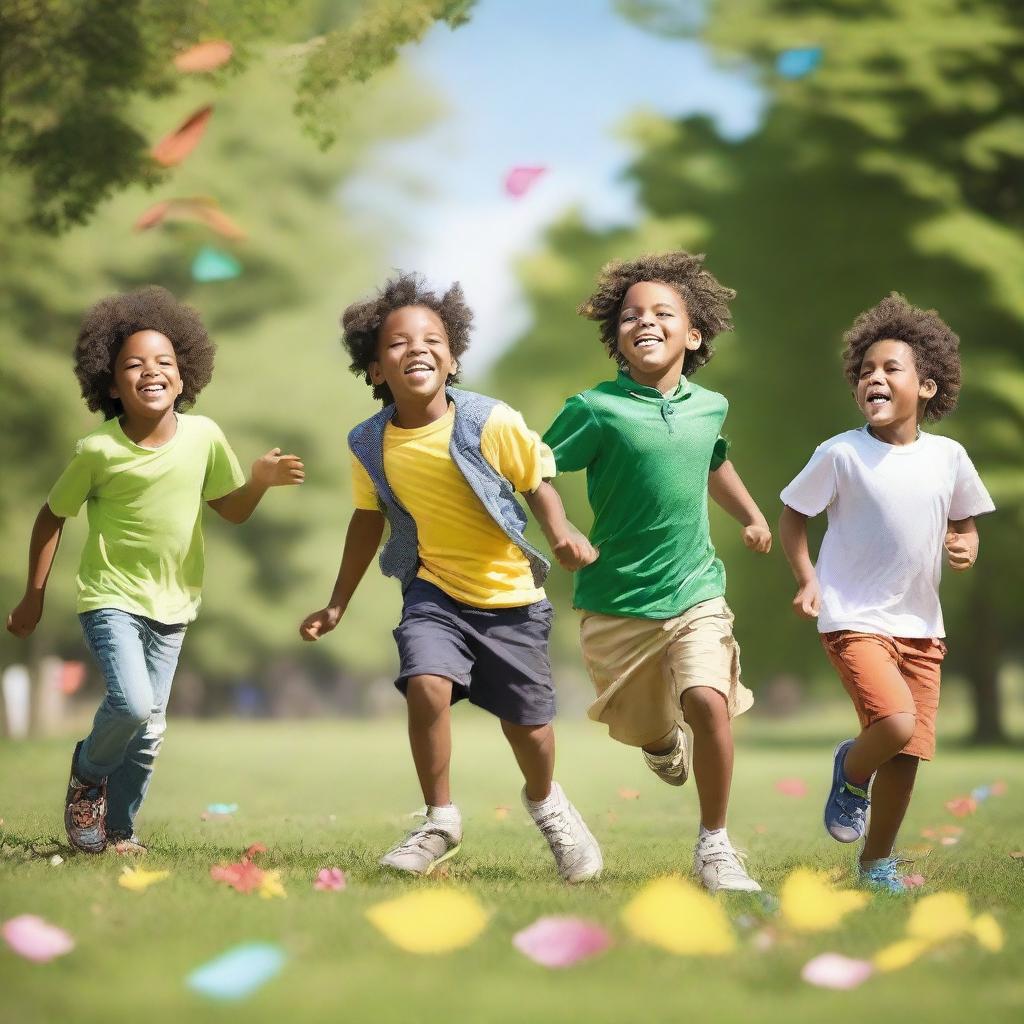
85	812
124	845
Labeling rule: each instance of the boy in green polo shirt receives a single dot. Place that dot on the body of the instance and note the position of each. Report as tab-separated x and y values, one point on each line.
656	632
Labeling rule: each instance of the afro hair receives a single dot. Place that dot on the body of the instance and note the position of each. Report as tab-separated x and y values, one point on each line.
362	321
936	348
114	319
707	301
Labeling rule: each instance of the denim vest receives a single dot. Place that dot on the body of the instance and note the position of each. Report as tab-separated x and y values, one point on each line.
400	555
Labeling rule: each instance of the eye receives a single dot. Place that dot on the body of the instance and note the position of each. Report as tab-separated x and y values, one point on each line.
628	317
665	312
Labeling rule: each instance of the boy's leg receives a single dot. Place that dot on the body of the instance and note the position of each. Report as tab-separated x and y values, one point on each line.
128	784
876	745
534	749
890	798
707	714
428	699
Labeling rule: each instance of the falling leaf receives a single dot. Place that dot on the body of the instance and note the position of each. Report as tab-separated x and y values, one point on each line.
830	970
798	62
900	954
501	812
430	921
212	265
238	972
810	903
629	794
173	148
961	806
242	877
913	881
791	787
35	939
330	880
520	180
271	886
204	56
675	915
561	941
139	880
195	208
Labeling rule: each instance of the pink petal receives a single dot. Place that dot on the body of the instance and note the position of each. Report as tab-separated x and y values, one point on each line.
791	787
204	56
519	180
330	880
561	941
35	939
830	970
912	881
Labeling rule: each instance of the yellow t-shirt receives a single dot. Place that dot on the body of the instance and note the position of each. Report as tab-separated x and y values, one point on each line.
462	549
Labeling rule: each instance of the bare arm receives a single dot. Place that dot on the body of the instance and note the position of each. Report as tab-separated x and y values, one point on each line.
42	550
270	470
793	534
962	543
568	545
727	490
365	529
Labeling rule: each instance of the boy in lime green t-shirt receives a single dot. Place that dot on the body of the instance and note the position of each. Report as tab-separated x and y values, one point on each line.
656	631
143	475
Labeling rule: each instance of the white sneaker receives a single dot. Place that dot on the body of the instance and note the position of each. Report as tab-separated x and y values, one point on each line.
437	839
672	767
577	855
719	866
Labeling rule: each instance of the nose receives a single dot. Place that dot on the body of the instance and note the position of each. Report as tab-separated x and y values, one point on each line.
645	320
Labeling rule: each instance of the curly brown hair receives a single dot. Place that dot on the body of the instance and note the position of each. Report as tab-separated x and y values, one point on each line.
936	348
707	301
116	318
362	321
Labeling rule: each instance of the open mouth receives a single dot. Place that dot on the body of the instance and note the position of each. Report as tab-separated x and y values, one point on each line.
646	341
877	398
418	369
152	389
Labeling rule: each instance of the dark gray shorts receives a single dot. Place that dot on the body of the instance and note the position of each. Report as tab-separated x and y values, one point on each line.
497	657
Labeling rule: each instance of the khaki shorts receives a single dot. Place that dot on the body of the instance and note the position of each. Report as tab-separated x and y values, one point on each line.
642	667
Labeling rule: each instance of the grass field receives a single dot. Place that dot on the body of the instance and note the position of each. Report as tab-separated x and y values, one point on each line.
337	794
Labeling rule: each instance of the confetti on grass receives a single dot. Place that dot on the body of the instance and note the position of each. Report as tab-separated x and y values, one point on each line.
244	876
430	921
677	916
221	808
792	787
628	794
330	880
809	902
173	148
238	972
204	57
139	880
561	941
35	939
961	806
830	970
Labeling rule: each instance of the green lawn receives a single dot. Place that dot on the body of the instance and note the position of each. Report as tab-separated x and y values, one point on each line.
337	793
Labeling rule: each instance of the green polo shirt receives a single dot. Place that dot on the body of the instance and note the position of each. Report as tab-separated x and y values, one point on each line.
647	458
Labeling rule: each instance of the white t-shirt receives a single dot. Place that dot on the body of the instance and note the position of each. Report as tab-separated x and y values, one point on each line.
881	558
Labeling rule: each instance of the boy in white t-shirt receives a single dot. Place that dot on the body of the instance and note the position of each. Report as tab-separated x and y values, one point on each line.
895	498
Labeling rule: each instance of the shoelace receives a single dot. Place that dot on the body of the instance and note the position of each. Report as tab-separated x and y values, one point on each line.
717	852
415	839
853	805
557	830
885	872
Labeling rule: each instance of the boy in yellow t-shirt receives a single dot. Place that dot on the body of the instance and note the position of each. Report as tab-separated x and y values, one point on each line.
440	466
143	475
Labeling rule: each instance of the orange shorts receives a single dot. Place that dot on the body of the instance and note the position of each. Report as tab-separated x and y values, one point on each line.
891	675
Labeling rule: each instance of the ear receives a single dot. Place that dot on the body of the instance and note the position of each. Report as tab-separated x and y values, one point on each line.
113	391
928	389
376	376
455	367
693	339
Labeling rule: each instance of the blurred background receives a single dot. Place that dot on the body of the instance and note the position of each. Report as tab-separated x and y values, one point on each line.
822	154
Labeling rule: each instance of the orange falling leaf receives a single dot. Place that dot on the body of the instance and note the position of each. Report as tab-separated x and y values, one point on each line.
195	208
173	148
204	56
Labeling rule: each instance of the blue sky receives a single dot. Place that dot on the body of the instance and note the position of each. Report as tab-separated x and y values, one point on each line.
528	82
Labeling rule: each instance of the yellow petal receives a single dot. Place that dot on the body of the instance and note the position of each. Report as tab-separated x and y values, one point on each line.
810	903
988	933
431	921
271	886
939	917
138	879
679	917
899	954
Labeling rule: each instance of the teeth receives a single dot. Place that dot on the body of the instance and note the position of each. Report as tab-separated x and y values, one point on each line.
644	342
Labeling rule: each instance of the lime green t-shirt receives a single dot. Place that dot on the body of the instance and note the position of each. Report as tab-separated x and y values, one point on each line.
647	458
144	552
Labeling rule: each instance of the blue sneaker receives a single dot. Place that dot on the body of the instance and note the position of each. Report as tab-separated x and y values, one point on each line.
882	876
847	805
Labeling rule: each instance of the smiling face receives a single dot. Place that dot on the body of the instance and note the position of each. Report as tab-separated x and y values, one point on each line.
413	356
655	332
889	390
146	377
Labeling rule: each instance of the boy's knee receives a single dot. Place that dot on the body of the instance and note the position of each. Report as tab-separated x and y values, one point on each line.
902	726
132	711
704	705
432	690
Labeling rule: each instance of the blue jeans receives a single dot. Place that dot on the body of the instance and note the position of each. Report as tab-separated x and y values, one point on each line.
138	657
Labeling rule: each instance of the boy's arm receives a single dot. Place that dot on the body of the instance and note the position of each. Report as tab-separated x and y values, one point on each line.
568	545
962	543
42	550
270	470
727	490
365	529
793	534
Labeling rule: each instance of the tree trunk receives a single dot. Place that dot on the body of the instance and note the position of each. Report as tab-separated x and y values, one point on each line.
983	650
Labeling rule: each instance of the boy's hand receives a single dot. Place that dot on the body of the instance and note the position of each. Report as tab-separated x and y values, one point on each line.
24	619
758	538
316	625
807	602
277	470
962	549
574	551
